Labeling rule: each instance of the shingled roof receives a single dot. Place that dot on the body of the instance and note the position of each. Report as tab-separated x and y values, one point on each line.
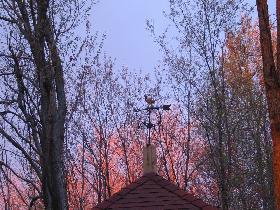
152	192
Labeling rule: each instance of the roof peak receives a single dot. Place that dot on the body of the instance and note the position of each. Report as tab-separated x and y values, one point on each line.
152	191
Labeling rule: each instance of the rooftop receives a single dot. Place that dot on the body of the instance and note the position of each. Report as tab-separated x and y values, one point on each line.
152	192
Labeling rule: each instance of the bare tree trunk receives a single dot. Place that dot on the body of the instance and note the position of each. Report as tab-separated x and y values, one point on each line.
34	24
107	172
53	112
187	148
272	84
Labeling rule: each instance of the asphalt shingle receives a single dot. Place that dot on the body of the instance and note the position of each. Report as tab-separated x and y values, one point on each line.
152	192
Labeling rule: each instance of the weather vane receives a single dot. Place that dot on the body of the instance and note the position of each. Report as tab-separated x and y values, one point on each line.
151	108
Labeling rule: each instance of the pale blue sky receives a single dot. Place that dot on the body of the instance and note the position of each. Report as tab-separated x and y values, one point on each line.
124	22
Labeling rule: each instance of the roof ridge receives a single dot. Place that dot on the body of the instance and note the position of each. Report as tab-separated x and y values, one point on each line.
162	183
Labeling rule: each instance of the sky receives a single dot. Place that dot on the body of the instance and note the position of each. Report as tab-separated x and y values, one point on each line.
124	23
127	39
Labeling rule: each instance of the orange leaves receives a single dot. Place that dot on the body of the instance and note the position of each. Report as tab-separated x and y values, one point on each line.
241	58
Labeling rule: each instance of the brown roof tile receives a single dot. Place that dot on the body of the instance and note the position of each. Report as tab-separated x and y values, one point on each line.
152	192
209	208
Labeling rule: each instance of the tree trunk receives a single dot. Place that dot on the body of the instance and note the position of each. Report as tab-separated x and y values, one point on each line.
53	106
271	78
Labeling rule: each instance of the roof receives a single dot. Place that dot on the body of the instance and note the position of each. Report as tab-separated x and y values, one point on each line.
152	192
